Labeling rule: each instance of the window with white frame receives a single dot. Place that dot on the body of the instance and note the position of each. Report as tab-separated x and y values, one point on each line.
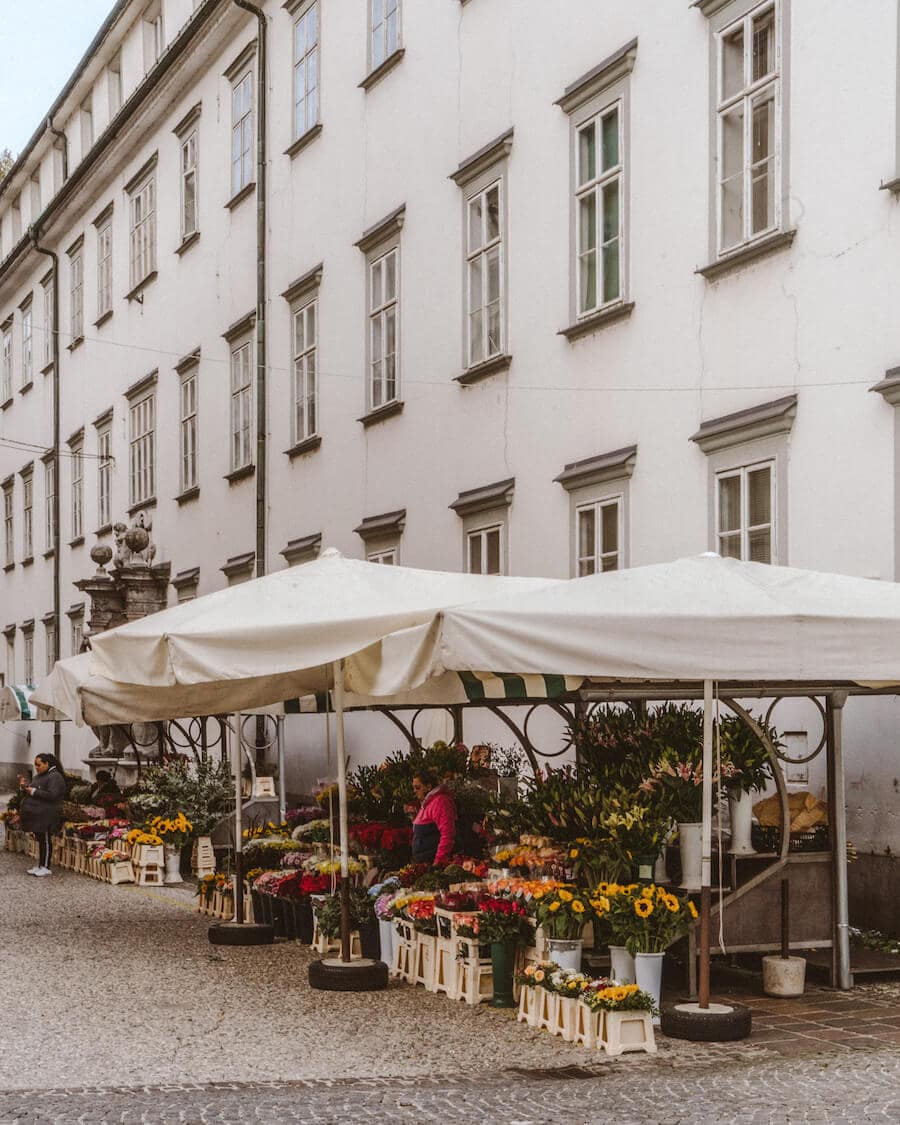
241	409
27	344
104	473
189	223
385	33
188	430
6	376
386	558
305	378
114	85
10	658
745	507
28	645
76	294
384	315
104	267
77	463
748	112
484	274
242	132
142	214
48	321
598	202
153	35
306	69
87	127
142	449
9	539
50	645
484	550
76	633
50	503
598	536
27	515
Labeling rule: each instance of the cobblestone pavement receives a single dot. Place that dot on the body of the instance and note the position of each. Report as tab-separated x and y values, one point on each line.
861	1087
116	1009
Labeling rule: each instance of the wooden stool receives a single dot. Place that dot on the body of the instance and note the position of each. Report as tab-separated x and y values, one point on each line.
627	1031
588	1025
151	876
474	975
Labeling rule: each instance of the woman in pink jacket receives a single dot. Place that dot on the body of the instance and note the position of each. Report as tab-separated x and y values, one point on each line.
434	828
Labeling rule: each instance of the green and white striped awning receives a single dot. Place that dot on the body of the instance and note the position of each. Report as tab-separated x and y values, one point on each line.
454	687
15	703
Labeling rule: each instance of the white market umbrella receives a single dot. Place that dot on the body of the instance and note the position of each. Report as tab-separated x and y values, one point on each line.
701	619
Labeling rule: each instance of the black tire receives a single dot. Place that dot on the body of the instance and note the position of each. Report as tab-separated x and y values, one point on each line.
706	1026
334	975
240	933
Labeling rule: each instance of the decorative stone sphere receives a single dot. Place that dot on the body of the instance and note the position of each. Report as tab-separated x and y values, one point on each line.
101	554
136	539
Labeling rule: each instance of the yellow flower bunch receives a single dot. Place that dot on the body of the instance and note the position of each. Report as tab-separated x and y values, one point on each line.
174	826
139	836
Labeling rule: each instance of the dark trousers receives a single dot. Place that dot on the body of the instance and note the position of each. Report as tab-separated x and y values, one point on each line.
45	846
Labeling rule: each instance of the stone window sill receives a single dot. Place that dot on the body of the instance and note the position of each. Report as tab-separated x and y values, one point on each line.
26	388
188	495
104	530
8	403
381	413
246	190
9	567
240	474
308	445
47	368
595	321
76	343
137	293
28	561
737	259
301	142
376	75
188	242
103	318
482	370
49	554
78	541
142	505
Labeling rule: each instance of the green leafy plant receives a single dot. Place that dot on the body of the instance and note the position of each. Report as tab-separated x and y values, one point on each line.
745	760
202	788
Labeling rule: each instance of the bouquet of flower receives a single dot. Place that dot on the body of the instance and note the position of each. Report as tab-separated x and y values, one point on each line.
537	974
421	913
139	836
175	831
562	912
604	995
413	871
384	906
503	920
648	919
567	982
745	759
677	784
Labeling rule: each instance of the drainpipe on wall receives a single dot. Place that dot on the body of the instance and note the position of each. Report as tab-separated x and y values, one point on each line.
57	531
261	80
65	147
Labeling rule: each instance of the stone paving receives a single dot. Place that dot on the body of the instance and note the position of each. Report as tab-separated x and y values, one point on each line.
108	989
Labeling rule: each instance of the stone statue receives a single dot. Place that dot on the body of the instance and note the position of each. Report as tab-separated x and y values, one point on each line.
133	544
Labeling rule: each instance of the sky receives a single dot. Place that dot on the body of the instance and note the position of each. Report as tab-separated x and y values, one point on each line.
41	43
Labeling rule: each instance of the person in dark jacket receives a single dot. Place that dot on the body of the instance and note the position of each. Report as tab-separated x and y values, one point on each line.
42	808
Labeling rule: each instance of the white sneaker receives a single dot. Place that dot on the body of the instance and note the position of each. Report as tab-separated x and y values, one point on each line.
32	870
39	871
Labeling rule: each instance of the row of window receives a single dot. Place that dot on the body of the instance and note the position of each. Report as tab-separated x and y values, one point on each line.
747	159
51	651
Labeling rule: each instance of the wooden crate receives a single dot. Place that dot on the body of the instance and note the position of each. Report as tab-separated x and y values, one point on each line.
120	872
146	855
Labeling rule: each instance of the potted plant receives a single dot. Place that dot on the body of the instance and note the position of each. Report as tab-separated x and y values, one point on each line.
504	924
647	920
621	1016
174	832
563	913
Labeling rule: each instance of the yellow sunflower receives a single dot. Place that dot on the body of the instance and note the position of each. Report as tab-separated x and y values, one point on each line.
565	896
573	853
553	907
643	907
578	906
692	908
672	904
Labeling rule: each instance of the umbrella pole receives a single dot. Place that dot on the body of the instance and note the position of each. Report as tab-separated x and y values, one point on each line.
338	688
282	780
238	824
706	864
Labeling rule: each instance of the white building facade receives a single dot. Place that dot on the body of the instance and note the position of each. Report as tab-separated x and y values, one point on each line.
546	291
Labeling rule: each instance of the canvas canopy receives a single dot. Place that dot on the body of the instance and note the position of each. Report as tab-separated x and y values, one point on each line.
695	619
296	622
16	703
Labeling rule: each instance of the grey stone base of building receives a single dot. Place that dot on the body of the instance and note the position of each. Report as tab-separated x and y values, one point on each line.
9	775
